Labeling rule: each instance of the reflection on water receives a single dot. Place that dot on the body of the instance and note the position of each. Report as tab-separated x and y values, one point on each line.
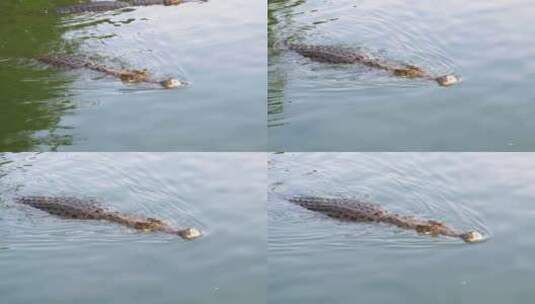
206	44
33	101
314	259
52	260
315	106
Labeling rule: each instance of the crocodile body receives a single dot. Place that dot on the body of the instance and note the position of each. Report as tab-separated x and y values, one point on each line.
359	211
88	209
344	55
92	7
129	76
102	6
330	54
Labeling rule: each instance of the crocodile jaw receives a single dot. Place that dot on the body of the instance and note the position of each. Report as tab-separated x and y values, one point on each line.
190	233
448	80
472	237
172	83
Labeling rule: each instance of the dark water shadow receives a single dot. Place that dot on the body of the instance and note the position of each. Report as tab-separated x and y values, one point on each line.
33	99
277	78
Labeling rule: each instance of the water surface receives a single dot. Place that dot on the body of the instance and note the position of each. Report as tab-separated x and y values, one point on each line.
217	46
322	107
316	259
47	259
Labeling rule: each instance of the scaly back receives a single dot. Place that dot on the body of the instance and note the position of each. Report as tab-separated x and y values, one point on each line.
65	207
344	209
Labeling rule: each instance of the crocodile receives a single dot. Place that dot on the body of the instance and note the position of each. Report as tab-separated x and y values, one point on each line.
359	211
89	209
128	76
102	6
345	55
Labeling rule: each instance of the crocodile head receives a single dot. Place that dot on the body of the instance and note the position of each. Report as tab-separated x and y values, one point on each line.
448	80
171	83
472	237
189	233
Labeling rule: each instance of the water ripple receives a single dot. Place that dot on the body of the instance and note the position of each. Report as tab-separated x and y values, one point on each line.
388	30
406	187
139	191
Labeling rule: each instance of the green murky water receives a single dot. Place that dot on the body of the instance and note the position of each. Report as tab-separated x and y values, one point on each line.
217	46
